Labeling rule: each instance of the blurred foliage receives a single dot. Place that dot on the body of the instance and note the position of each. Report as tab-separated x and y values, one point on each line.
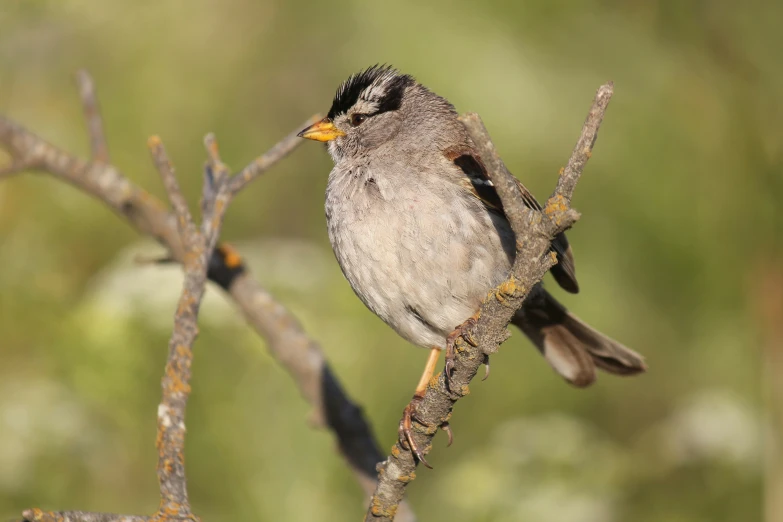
680	208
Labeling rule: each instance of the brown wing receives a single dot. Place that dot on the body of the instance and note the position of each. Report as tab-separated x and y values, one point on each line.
479	184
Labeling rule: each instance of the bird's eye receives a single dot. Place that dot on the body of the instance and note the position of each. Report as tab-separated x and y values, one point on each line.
358	119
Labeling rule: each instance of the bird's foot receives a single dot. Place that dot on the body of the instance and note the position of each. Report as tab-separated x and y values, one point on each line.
462	331
406	425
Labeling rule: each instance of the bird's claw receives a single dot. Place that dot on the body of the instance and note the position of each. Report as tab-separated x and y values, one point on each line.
447	428
404	431
463	331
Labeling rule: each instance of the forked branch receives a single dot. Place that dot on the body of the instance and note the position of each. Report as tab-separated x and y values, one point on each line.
534	232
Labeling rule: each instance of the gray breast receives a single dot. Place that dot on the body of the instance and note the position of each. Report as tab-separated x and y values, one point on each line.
420	255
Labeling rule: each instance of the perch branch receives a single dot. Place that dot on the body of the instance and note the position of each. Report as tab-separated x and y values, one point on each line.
534	233
301	356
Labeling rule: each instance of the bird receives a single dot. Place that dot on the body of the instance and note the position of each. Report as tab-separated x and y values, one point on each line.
420	233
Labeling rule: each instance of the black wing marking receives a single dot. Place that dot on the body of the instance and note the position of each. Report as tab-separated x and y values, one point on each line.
479	184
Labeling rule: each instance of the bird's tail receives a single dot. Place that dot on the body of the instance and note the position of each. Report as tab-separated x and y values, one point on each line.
570	346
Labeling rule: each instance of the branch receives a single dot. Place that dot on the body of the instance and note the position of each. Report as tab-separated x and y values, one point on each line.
300	355
15	167
261	164
170	441
36	515
176	379
534	233
92	113
584	146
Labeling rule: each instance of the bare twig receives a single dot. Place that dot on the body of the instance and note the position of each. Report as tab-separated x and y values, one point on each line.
584	146
16	167
92	113
216	194
503	180
185	224
176	379
170	441
261	164
36	515
534	233
301	356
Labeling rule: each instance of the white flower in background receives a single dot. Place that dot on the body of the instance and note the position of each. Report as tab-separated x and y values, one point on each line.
562	503
540	468
714	425
37	418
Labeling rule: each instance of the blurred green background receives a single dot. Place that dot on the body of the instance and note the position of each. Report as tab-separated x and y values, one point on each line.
679	237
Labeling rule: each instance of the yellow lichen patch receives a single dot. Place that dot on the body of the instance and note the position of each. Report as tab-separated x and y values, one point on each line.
465	390
212	147
169	511
185	302
219	205
555	204
507	287
184	351
395	451
427	430
588	152
553	256
560	172
434	382
190	258
159	440
177	385
407	478
379	511
153	141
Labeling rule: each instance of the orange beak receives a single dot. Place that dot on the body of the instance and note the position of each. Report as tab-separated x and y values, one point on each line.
324	130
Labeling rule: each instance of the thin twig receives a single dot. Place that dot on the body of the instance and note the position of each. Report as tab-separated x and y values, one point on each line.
36	515
216	194
92	113
532	261
170	441
185	224
504	181
584	146
14	168
261	164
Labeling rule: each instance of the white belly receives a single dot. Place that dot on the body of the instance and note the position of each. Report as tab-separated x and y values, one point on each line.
421	258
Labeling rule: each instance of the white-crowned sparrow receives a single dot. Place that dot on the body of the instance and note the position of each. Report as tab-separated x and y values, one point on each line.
420	233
